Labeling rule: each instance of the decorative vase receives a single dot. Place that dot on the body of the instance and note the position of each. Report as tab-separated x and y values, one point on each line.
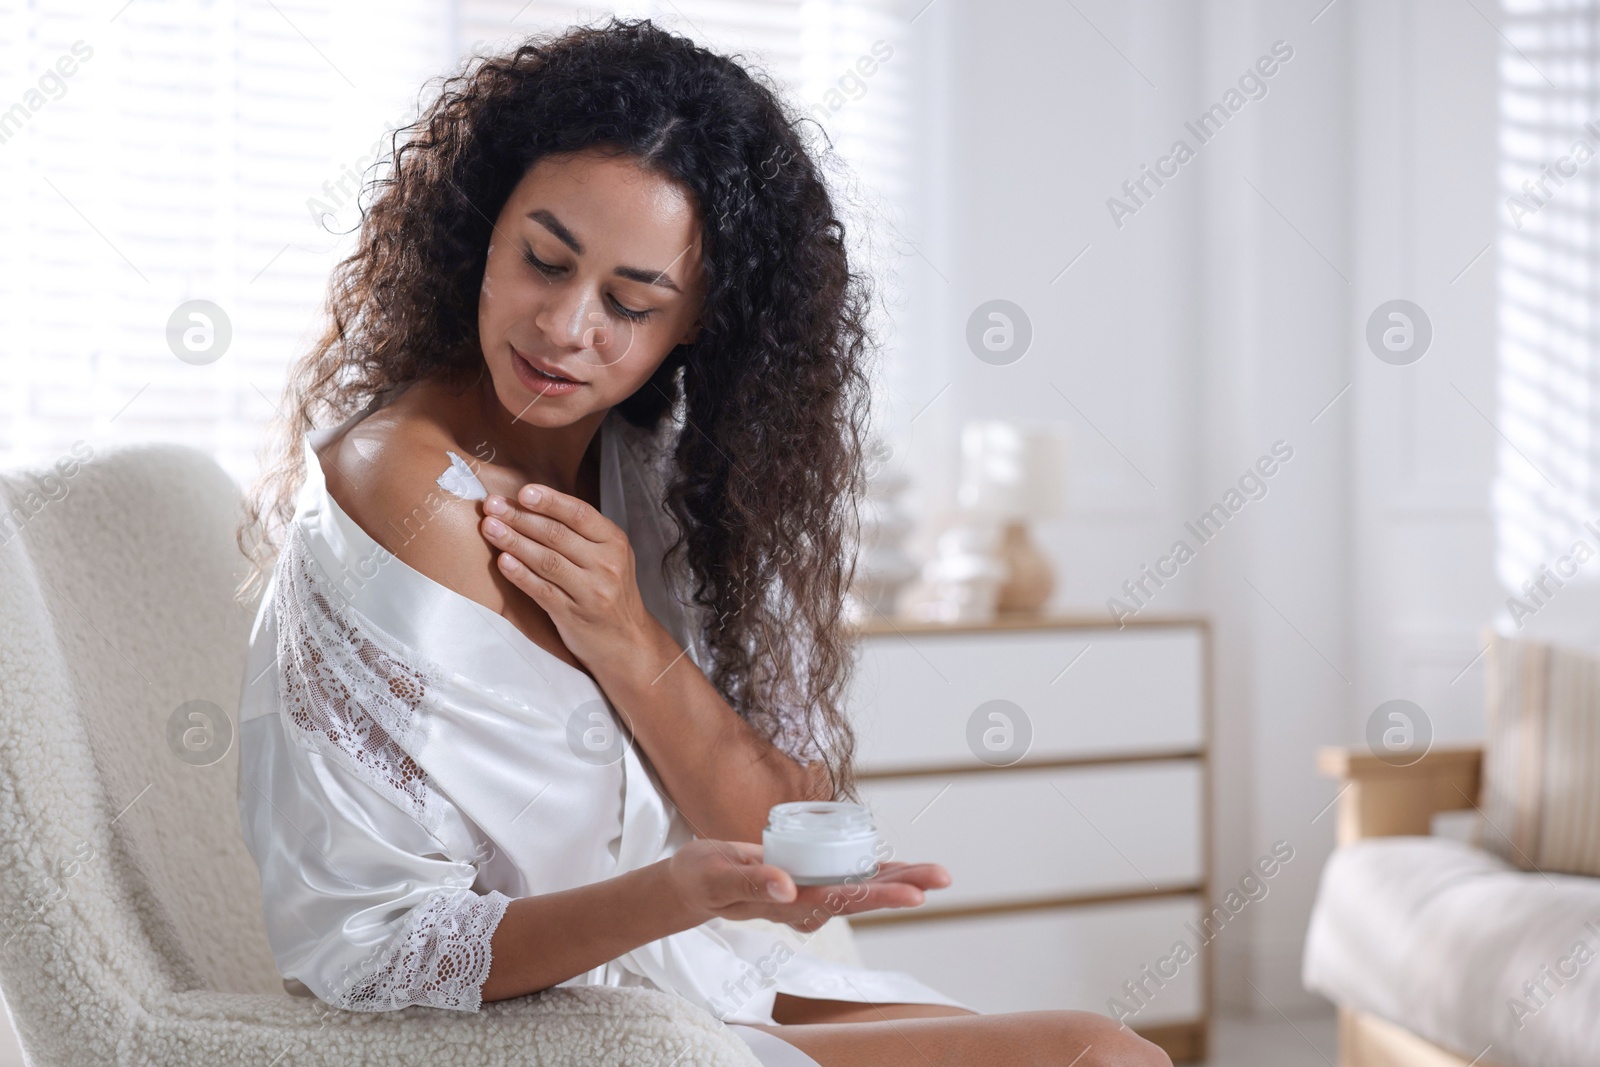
1030	579
883	566
1012	473
961	583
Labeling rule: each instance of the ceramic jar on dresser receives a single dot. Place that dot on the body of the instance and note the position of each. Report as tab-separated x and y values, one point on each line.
1058	768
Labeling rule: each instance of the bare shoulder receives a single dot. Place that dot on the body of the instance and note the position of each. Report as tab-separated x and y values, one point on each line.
384	473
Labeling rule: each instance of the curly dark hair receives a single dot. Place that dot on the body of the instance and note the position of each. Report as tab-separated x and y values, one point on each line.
768	405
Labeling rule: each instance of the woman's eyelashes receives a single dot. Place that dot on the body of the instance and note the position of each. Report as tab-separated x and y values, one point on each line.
551	270
630	313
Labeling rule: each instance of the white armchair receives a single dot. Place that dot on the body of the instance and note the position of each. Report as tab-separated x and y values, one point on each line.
132	928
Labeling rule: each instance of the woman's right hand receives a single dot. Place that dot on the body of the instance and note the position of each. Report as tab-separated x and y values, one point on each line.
729	879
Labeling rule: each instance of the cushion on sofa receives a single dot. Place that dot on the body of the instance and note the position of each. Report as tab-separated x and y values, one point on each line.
1461	948
1541	769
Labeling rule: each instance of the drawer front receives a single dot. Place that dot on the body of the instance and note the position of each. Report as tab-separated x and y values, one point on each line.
1014	834
1043	960
919	700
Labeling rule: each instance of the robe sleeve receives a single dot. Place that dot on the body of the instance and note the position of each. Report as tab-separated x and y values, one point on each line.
363	906
367	872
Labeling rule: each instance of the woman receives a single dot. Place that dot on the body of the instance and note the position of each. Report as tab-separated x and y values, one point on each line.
515	720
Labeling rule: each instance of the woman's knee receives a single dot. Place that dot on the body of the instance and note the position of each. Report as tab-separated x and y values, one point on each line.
1108	1044
1121	1047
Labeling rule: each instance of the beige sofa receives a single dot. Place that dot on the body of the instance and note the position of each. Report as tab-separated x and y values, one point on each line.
1438	953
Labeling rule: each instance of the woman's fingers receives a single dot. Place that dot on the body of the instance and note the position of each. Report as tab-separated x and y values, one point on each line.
577	515
742	875
545	530
739	884
539	559
867	896
896	885
545	593
923	875
814	905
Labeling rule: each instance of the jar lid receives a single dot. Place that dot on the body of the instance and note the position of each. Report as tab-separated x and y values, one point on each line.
821	818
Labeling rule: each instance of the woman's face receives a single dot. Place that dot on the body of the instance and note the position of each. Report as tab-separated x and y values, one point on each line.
592	277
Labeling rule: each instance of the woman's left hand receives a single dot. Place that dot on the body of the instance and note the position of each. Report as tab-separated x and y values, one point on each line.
577	565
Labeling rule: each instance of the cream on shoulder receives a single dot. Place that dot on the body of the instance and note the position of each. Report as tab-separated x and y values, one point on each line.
459	479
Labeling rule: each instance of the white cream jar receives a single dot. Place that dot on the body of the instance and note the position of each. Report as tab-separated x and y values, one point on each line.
821	842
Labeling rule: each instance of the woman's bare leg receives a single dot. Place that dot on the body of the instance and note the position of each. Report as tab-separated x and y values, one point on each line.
932	1035
791	1010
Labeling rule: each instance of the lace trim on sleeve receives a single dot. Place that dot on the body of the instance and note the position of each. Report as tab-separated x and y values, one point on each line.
350	696
439	959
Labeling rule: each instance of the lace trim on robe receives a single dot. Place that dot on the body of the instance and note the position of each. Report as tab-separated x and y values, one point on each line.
355	699
349	695
440	958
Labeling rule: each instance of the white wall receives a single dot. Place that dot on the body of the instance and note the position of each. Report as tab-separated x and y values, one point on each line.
1225	315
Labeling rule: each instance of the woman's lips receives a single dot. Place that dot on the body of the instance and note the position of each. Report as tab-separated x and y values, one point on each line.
538	380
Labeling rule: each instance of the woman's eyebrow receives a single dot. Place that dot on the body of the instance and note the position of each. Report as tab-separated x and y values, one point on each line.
649	277
553	224
564	235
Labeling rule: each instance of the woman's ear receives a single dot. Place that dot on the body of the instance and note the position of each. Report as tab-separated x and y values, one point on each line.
691	334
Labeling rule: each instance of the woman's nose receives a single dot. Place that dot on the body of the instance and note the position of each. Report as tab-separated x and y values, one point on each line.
568	320
596	330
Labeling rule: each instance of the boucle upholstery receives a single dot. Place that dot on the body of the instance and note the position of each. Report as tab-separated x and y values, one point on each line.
133	930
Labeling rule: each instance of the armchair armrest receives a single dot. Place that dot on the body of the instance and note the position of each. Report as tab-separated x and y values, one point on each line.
1382	800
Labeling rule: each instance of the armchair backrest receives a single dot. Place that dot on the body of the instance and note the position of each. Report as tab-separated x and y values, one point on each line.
121	653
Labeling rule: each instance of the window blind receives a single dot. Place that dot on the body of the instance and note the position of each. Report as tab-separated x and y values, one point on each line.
178	163
202	151
1547	483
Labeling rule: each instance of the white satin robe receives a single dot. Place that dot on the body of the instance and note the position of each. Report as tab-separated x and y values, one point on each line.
409	763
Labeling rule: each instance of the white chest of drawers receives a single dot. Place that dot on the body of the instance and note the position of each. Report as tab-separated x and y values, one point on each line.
1058	769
